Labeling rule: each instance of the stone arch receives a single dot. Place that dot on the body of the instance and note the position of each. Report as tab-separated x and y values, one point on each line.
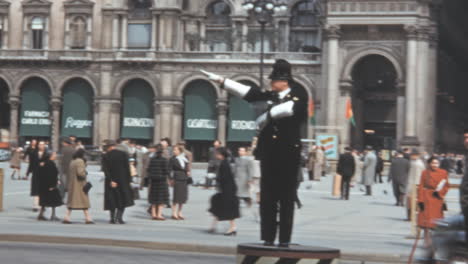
311	93
8	83
184	83
246	77
363	52
209	2
42	76
85	78
117	92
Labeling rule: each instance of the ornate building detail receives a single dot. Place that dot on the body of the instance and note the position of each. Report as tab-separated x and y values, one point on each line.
332	32
36	7
358	8
412	32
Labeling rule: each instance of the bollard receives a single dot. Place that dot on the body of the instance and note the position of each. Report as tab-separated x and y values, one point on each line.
1	190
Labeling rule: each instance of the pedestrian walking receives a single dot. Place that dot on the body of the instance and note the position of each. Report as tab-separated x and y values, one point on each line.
379	168
346	167
213	164
368	169
36	157
433	187
311	162
179	182
66	158
158	173
398	175
464	190
77	198
417	166
167	147
243	170
15	162
225	204
118	193
30	154
319	163
49	195
357	177
279	148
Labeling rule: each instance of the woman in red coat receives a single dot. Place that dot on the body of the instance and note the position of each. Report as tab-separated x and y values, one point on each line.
432	189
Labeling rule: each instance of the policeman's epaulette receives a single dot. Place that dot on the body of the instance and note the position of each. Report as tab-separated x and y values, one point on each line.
295	99
288	96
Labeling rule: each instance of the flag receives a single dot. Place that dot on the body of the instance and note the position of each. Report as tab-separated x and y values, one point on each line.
311	111
349	112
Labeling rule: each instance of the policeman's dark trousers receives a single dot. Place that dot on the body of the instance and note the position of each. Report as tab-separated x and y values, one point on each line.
277	195
465	213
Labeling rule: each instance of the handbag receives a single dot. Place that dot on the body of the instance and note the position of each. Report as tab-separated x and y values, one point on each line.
87	187
189	180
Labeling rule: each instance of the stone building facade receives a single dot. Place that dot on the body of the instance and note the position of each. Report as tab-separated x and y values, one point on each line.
130	68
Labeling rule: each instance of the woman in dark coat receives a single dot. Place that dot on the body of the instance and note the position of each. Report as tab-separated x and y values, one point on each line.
36	157
225	204
158	174
49	195
28	153
179	180
118	193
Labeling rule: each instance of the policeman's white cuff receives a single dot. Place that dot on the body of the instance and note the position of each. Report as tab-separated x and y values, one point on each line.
282	110
261	121
235	88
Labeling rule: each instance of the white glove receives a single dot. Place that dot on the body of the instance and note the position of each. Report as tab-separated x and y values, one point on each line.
282	110
213	77
261	121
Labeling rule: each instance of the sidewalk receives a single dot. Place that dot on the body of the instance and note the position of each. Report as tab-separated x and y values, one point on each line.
364	228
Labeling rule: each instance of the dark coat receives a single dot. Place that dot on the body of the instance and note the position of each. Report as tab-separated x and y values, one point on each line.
48	178
34	161
29	154
158	174
464	191
399	171
179	175
380	165
346	166
225	204
116	168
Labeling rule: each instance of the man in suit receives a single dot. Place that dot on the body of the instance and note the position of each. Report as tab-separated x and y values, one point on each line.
464	189
243	175
399	175
278	149
346	167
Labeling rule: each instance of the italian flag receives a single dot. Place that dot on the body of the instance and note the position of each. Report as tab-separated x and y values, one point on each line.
311	111
349	112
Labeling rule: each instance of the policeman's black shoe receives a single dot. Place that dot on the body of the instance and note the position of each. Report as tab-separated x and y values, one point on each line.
268	243
283	245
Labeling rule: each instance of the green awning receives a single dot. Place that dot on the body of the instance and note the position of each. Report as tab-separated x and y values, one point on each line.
35	109
137	114
77	110
241	122
200	115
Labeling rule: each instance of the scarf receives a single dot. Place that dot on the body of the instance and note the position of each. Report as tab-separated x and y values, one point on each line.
182	160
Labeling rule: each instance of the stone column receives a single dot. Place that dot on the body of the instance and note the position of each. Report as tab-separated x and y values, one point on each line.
46	33
410	137
166	118
96	123
154	32
346	88
401	102
56	104
157	122
222	119
115	32
104	108
422	85
162	25
203	46
333	35
5	32
123	41
15	103
431	95
115	124
245	31
177	122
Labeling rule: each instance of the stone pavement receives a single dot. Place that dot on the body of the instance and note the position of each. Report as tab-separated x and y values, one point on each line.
364	228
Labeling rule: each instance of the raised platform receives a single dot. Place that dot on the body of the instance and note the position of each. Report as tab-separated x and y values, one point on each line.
295	254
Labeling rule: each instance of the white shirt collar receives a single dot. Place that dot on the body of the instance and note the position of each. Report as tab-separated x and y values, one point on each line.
282	94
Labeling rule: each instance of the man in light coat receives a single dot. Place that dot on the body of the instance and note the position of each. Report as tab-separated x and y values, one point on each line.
399	177
66	158
319	163
417	166
243	171
368	170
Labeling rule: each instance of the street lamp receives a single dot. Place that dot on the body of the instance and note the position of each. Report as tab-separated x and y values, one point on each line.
263	10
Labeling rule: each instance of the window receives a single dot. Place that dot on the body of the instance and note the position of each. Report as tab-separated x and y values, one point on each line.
254	40
185	5
37	28
139	36
78	33
139	9
304	28
218	27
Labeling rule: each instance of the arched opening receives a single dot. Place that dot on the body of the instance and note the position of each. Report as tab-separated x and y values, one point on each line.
77	110
241	127
218	27
35	116
137	112
374	98
4	111
200	127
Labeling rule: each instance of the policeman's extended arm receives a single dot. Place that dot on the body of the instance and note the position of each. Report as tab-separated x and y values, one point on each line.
233	87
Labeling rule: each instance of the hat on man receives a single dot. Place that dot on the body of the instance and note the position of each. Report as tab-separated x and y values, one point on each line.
415	152
281	71
109	142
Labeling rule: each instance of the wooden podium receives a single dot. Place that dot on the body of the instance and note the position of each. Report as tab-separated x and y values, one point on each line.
295	254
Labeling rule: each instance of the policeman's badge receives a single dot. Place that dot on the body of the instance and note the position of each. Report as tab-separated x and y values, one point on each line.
295	99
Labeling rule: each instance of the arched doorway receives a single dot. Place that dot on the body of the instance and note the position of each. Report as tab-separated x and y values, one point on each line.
35	116
374	98
4	111
137	116
200	118
77	110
